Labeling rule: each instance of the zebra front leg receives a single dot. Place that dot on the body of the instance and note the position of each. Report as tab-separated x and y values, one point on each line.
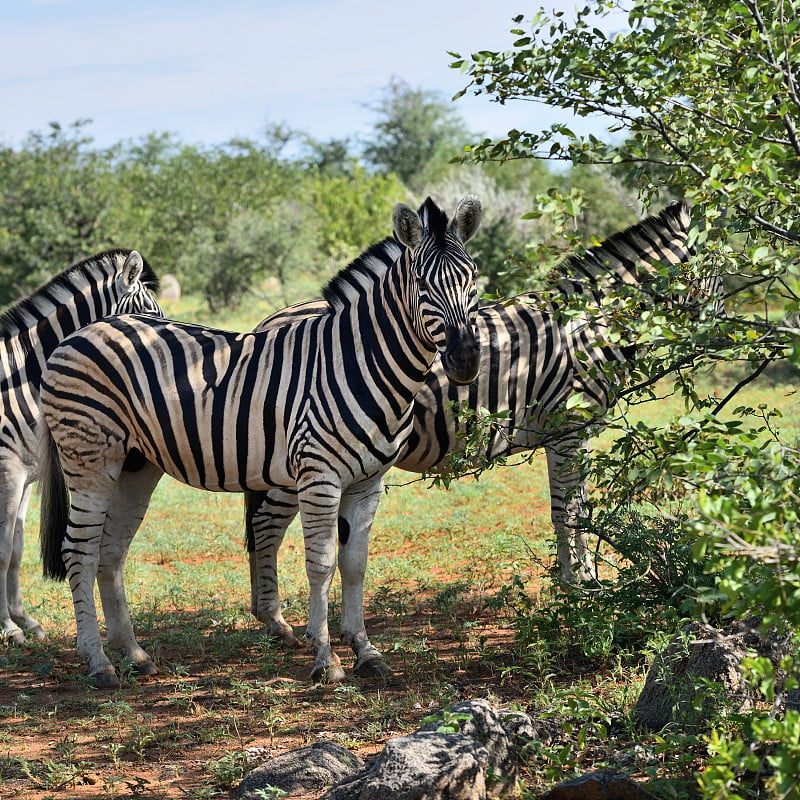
319	506
268	515
568	509
356	514
81	553
14	621
15	605
129	504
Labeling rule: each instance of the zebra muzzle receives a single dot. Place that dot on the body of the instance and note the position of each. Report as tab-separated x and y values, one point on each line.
461	358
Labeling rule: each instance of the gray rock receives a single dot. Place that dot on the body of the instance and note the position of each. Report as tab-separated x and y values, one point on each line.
306	769
702	652
169	288
499	732
474	759
600	785
422	766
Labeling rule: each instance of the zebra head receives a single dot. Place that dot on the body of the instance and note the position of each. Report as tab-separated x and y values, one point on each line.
131	285
443	278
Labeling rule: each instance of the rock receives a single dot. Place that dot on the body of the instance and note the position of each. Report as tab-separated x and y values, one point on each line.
306	769
600	785
499	732
169	288
701	652
476	761
422	766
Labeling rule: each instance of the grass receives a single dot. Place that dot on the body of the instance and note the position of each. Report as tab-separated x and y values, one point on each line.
223	687
439	604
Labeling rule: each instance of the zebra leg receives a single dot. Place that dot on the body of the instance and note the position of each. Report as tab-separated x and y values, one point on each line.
568	508
13	619
129	503
81	553
356	514
272	512
15	605
319	507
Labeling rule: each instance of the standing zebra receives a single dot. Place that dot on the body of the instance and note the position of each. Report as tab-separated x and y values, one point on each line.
321	405
532	361
111	282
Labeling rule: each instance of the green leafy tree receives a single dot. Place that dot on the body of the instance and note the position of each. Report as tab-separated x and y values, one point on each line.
416	134
707	96
187	205
352	212
225	266
55	193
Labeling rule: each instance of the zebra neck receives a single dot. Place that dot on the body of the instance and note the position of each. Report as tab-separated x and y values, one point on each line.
390	328
36	326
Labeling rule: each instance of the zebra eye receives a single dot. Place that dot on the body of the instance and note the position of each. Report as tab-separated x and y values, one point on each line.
422	283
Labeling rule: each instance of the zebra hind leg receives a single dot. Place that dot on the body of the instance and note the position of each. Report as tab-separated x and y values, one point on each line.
81	552
268	515
15	623
15	605
568	511
130	500
356	514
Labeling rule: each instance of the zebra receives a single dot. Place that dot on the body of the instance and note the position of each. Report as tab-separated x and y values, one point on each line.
532	361
321	405
113	281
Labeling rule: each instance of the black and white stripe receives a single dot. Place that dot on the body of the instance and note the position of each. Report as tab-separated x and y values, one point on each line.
532	360
321	405
114	281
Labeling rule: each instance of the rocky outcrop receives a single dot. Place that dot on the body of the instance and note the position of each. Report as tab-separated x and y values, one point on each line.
303	770
469	753
677	688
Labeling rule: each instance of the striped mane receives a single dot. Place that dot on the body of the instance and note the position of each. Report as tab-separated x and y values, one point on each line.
349	283
620	257
29	310
434	221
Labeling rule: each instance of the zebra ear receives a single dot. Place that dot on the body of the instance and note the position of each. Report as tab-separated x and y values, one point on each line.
132	269
407	225
467	218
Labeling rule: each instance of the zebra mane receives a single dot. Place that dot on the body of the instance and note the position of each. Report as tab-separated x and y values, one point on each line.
29	309
371	265
626	255
348	283
434	220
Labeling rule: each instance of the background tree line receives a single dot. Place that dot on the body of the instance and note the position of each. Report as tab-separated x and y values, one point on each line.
224	218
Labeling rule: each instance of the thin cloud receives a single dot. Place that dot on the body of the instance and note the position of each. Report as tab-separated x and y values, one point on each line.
212	72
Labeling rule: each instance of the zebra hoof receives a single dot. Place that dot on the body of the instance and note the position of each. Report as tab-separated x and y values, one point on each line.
146	668
13	636
374	668
105	680
332	673
38	633
285	635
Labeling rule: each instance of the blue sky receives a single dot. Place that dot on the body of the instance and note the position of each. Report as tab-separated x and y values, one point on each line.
212	71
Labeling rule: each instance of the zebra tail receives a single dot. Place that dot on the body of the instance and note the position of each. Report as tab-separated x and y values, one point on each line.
54	507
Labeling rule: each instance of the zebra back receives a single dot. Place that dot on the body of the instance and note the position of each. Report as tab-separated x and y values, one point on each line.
629	256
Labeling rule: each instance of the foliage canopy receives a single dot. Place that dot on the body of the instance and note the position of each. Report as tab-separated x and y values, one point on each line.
704	102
